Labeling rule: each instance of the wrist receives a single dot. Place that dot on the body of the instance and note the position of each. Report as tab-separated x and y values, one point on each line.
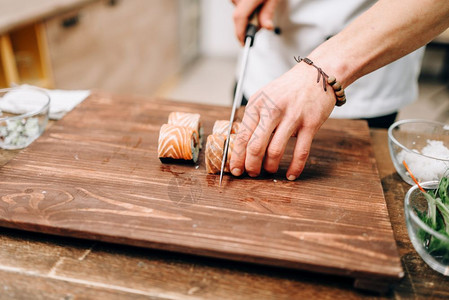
335	63
327	81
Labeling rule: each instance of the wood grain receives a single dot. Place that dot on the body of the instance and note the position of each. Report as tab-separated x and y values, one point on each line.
96	175
33	286
191	276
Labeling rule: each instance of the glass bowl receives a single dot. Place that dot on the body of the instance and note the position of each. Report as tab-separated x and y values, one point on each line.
24	116
432	246
423	145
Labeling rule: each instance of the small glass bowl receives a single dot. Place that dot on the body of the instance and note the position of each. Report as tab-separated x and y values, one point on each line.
24	116
407	137
421	234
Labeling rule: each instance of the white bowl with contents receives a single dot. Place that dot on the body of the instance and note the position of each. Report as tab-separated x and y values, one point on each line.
423	145
24	116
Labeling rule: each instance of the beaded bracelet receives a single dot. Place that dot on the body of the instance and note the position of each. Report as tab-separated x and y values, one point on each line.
331	80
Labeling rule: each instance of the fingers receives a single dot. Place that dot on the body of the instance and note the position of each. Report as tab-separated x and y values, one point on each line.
266	14
261	117
277	146
301	153
257	146
242	12
269	115
249	123
244	9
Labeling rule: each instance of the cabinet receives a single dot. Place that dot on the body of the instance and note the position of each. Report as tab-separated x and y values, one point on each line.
128	46
122	46
188	28
24	57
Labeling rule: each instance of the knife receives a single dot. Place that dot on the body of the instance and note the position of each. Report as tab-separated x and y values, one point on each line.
251	29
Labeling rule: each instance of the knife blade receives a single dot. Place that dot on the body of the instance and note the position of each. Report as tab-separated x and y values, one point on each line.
251	29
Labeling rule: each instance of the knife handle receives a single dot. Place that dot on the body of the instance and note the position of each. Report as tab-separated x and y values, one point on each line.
253	25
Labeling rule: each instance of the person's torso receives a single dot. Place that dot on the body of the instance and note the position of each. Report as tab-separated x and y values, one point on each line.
305	24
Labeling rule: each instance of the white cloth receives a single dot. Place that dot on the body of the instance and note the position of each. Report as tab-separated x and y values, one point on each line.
61	101
305	24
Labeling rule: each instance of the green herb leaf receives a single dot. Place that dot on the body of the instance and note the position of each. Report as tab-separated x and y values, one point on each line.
443	211
432	208
443	190
437	218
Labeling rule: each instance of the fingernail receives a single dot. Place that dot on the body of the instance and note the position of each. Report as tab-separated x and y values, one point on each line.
291	177
236	172
252	174
269	25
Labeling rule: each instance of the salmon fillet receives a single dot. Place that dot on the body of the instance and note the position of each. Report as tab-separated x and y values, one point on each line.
178	142
214	152
222	127
189	120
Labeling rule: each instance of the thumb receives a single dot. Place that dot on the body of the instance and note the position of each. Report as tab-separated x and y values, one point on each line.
266	14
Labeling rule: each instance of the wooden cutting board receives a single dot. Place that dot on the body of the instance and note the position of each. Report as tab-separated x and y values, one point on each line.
96	175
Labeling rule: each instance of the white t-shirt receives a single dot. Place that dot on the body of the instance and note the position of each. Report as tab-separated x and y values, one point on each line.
305	24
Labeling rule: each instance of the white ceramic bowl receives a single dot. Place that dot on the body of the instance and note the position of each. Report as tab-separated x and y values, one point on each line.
409	139
24	116
421	235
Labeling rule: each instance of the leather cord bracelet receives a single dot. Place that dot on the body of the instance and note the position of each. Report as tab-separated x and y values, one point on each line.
331	80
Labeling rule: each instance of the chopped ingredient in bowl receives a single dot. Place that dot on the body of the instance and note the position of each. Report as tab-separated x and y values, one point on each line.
427	169
18	133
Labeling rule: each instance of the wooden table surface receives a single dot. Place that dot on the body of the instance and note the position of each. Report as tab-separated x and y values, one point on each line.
38	266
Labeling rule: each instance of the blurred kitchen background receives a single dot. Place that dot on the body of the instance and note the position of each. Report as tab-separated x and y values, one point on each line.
178	49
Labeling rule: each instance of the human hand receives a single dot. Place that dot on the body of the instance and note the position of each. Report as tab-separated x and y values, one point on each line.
293	103
244	9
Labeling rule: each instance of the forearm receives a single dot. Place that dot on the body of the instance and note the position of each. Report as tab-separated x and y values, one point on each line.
387	31
384	33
